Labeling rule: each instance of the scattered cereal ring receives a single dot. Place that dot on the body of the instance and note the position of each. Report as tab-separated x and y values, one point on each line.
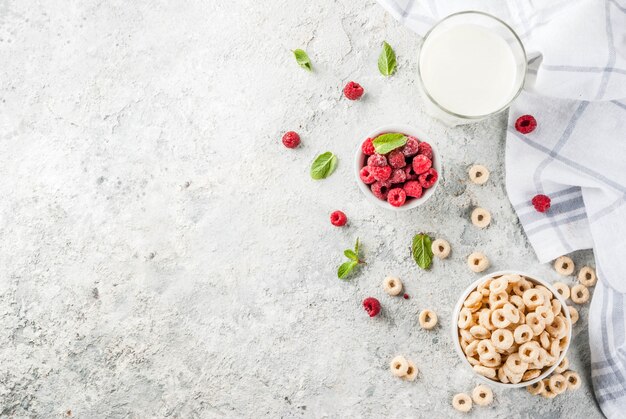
587	276
523	333
573	380
411	372
462	402
563	366
481	217
580	294
482	395
564	265
531	374
502	338
558	383
440	248
562	289
428	319
547	392
478	174
399	366
485	371
392	286
477	262
529	352
536	388
573	314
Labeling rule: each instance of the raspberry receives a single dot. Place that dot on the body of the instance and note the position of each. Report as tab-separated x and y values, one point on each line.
406	296
426	150
421	164
291	139
381	173
411	147
541	203
428	179
367	147
377	160
353	91
398	176
396	159
413	189
366	175
526	124
338	218
396	197
410	174
380	190
371	306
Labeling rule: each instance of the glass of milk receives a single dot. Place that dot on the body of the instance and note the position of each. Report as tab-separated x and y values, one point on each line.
471	66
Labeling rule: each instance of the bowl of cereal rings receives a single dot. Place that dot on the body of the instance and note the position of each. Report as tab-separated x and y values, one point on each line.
511	329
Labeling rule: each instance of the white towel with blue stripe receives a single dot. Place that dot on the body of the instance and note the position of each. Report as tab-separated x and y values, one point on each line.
576	89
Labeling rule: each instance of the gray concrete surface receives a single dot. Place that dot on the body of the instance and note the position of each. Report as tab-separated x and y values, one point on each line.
163	255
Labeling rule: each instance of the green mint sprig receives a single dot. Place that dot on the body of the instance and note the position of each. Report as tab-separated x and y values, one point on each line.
347	267
385	143
422	251
302	59
387	60
323	166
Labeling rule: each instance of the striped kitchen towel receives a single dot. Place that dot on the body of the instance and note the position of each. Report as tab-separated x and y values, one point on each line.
576	89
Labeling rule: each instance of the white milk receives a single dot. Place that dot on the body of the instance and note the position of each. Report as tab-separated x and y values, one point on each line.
469	70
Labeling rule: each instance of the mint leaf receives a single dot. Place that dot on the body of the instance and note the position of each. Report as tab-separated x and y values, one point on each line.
346	268
323	165
302	59
385	143
387	60
422	250
351	255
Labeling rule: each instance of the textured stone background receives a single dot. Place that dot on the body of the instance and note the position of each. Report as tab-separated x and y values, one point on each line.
162	254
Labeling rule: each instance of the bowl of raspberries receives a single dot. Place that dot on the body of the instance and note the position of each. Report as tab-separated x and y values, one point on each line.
397	168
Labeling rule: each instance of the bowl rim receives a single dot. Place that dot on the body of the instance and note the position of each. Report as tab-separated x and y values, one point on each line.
360	156
455	320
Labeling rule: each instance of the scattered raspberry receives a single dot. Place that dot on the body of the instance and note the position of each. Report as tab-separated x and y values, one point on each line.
541	203
426	150
410	175
371	306
377	160
381	173
411	147
397	176
526	124
338	218
406	296
396	159
380	190
291	139
396	197
421	164
428	179
368	147
353	91
366	175
413	189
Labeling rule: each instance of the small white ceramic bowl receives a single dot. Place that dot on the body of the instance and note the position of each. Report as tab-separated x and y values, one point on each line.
455	327
360	158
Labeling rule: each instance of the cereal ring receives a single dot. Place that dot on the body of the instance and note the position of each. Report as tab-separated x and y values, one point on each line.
512	278
558	328
523	333
494	362
563	366
498	319
470	349
536	323
573	380
486	349
465	318
392	286
480	332
544	340
484	319
587	276
515	364
483	287
441	248
545	291
513	377
545	313
411	372
580	294
563	342
502	339
518	302
474	309
564	265
498	285
465	334
482	395
481	217
556	306
547	390
545	358
478	174
530	375
462	402
477	262
428	319
521	287
498	300
464	344
536	388
485	371
529	352
473	360
533	298
502	376
511	313
562	289
558	383
573	314
473	299
399	366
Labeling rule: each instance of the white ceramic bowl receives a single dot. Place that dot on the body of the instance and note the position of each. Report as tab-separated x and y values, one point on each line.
455	331
360	158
